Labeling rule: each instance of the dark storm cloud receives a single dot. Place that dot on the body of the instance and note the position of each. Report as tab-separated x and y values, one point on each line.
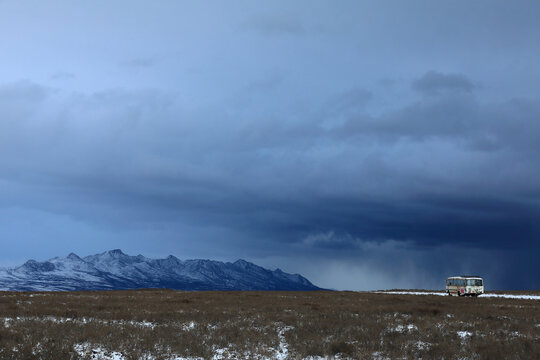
349	102
416	175
459	118
388	138
435	83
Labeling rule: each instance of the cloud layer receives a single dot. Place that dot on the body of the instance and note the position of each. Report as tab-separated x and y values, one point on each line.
283	136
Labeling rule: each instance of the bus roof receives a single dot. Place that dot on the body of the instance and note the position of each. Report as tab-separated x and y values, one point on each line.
465	277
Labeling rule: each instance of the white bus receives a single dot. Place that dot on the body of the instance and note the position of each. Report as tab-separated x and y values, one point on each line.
464	285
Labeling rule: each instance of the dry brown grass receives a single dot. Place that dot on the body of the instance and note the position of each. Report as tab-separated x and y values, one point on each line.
194	324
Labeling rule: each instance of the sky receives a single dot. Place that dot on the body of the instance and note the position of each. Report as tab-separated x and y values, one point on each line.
364	145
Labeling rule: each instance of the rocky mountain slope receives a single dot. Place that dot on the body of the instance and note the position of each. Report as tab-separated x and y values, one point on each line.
116	270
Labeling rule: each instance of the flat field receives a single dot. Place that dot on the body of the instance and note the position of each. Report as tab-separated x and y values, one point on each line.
165	324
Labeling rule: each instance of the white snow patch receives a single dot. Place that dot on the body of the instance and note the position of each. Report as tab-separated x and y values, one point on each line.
7	322
510	296
283	351
144	324
189	326
224	353
228	353
507	296
86	351
219	354
410	293
54	319
464	334
402	328
84	320
37	349
378	356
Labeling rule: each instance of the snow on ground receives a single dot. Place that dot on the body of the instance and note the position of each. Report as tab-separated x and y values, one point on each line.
138	323
94	352
378	356
464	334
84	320
507	296
7	321
85	351
283	351
510	296
411	293
189	326
421	345
402	328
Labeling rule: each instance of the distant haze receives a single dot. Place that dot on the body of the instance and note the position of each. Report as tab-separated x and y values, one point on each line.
364	145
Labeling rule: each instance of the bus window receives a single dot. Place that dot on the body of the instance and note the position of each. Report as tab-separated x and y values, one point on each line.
474	282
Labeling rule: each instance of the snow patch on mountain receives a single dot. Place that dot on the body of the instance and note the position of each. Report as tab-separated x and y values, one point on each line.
116	270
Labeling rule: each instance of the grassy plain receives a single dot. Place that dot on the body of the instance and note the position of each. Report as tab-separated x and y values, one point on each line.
165	324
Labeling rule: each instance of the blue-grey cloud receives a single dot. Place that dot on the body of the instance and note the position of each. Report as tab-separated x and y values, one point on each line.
379	184
284	144
274	25
138	63
435	83
62	76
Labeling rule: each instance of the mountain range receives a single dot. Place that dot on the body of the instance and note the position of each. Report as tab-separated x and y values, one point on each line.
114	270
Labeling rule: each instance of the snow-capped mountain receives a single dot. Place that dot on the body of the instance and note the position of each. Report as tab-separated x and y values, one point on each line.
116	270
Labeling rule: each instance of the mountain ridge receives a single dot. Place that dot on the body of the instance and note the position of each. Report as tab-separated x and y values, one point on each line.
115	270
